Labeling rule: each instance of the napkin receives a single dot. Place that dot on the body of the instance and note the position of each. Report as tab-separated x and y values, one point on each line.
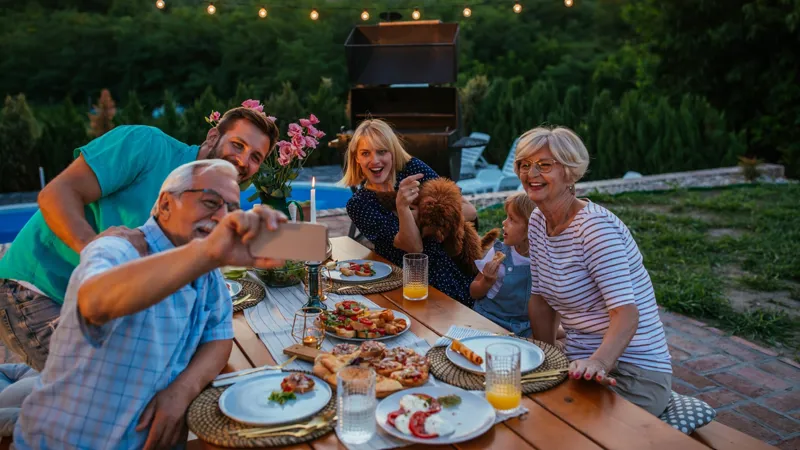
460	333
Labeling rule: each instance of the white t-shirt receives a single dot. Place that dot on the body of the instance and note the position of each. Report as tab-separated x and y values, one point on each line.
518	260
590	268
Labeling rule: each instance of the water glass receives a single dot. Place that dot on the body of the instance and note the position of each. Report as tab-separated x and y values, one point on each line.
503	383
355	404
415	276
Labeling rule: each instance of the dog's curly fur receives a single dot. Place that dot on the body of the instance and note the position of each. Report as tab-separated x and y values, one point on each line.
440	217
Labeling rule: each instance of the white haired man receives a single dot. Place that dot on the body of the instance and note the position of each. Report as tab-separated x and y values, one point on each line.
108	189
139	337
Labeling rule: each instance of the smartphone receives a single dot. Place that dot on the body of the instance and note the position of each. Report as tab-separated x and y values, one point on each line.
298	241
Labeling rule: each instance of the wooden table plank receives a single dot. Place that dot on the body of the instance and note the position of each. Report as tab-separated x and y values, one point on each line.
546	431
719	436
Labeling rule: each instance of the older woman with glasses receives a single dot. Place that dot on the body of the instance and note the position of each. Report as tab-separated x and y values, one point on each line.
587	275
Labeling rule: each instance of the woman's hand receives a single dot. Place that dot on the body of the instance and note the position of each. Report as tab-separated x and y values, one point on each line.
591	369
408	191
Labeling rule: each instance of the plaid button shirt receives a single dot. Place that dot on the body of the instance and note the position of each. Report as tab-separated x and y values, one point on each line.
98	380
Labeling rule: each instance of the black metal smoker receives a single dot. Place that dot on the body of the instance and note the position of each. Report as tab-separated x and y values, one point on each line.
399	72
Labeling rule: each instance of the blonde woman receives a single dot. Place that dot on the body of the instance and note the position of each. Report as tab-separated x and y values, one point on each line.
587	275
377	162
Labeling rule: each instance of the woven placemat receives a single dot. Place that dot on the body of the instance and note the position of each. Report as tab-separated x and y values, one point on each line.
209	424
444	370
392	282
255	290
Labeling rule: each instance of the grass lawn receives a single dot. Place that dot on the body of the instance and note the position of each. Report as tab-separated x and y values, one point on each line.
730	256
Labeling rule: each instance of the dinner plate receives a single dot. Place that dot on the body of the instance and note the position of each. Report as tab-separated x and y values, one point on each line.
473	417
397	315
234	287
531	356
248	401
381	271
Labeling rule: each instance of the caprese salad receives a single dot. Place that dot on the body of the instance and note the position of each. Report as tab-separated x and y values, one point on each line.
420	416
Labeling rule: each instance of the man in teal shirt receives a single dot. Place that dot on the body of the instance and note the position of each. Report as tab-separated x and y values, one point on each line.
109	188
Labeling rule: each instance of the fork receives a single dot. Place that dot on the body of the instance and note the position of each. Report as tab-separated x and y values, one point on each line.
318	421
228	376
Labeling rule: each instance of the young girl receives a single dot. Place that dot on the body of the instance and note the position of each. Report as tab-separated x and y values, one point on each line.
504	284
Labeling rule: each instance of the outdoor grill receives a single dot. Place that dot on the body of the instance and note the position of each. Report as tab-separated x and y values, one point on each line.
398	71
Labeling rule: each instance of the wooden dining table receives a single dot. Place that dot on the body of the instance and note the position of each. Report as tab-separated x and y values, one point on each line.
576	414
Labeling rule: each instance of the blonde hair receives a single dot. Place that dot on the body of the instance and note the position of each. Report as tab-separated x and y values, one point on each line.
566	146
520	204
181	178
381	135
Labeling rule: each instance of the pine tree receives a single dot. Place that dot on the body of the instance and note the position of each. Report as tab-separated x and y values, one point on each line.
63	131
19	132
195	128
133	113
170	121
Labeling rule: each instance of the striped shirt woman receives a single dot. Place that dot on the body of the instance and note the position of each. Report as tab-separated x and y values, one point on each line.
591	267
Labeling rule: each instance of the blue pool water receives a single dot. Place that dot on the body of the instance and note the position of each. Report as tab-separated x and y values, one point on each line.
14	217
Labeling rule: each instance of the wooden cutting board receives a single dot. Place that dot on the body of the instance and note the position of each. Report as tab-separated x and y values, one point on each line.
302	352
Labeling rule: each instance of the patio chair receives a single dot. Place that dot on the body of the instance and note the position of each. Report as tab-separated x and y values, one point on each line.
492	179
472	157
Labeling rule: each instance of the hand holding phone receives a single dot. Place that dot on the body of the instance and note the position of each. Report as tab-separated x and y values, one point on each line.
298	241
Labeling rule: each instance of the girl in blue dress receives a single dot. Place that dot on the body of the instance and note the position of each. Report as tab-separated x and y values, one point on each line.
377	162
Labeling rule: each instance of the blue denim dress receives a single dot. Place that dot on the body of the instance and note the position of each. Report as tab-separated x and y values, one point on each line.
509	308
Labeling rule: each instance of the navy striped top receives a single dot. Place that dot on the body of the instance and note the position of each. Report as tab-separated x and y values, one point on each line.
590	268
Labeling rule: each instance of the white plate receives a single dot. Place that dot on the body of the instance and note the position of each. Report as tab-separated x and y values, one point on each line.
531	356
473	417
397	315
381	271
248	401
234	288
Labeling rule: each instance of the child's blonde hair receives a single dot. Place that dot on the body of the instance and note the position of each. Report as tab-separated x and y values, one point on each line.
520	204
380	135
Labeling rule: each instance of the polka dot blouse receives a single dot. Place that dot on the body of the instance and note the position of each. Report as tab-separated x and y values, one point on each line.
380	226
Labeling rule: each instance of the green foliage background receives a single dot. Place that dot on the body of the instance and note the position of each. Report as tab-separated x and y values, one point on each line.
650	85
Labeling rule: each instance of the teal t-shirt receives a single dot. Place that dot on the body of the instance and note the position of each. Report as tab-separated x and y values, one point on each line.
131	163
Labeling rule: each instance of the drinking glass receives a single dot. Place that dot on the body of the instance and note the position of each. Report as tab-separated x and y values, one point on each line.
503	384
355	404
415	276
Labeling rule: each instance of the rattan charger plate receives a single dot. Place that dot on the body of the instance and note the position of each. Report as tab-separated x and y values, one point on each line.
390	283
444	370
252	288
209	424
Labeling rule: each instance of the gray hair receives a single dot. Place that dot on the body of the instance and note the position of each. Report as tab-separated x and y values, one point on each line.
566	146
180	179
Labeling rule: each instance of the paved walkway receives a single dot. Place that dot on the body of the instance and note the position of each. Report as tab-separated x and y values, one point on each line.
752	388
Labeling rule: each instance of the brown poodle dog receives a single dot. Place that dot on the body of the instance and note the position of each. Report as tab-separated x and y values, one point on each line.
440	217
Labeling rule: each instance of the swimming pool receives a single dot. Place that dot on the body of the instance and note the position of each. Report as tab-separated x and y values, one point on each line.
329	195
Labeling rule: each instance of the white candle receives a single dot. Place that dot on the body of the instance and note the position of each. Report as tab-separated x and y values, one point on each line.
313	201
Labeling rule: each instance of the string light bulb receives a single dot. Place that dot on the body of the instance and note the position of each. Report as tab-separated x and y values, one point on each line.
211	9
160	4
262	13
314	14
568	3
365	15
467	12
517	7
416	14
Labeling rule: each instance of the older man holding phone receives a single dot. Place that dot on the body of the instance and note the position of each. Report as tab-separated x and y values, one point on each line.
140	336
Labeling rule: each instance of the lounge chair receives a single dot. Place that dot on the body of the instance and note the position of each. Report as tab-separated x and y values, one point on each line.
472	157
492	179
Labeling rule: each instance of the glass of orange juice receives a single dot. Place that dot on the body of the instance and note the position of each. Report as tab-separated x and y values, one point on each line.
415	276
503	384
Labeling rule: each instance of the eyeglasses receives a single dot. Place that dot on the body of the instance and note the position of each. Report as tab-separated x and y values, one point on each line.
542	165
213	200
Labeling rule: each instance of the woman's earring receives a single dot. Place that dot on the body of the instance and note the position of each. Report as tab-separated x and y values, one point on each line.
572	188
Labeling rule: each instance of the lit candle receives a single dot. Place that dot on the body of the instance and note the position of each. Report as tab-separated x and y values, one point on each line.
310	341
313	200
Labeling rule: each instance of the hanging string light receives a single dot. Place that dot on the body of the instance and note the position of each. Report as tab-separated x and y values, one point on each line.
211	9
160	4
262	13
365	15
416	14
568	3
517	7
314	14
467	12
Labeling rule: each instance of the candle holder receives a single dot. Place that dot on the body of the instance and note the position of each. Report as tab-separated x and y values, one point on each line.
307	327
314	286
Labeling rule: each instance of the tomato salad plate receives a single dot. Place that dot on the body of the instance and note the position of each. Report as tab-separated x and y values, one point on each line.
357	271
436	415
